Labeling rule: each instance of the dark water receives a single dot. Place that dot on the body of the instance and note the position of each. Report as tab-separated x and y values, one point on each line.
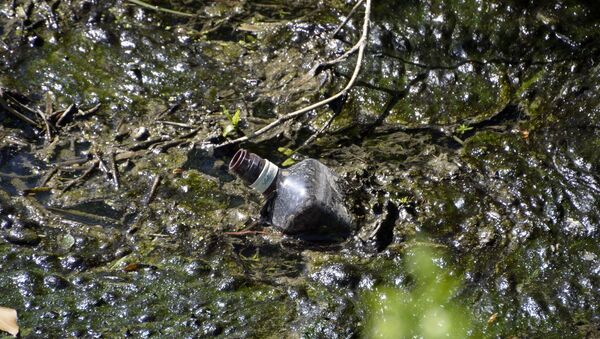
473	130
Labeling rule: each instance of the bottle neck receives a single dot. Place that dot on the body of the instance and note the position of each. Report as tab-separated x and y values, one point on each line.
255	171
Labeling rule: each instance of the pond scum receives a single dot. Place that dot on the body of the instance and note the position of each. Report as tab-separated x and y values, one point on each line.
469	144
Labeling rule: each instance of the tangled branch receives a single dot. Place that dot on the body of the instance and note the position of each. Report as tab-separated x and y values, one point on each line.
360	47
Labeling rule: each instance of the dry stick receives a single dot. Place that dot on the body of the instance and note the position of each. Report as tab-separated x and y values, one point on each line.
347	18
245	233
361	50
178	141
101	163
48	131
89	111
23	106
173	123
113	169
82	177
47	176
317	133
17	113
64	114
152	193
161	9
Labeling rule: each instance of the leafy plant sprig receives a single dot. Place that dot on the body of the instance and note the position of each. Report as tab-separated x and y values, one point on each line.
234	121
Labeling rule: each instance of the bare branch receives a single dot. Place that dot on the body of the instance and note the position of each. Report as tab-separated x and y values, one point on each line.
347	18
318	132
362	43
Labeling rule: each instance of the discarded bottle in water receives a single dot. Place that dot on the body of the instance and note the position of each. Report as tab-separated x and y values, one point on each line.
304	200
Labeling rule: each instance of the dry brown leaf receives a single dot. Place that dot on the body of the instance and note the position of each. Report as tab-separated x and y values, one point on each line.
8	320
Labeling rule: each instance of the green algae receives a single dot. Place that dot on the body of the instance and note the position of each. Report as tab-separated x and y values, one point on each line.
514	202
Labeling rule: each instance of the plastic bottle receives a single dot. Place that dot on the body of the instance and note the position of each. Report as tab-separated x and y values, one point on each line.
304	200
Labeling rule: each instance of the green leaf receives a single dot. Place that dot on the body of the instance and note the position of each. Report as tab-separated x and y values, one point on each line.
285	151
228	129
236	118
226	113
288	162
463	128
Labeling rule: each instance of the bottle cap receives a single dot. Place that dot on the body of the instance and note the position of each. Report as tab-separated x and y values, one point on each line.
255	171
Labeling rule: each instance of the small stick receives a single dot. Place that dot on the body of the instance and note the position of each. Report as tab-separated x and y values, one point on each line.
245	233
167	111
113	169
23	106
169	144
48	131
347	18
129	154
318	132
36	190
44	180
146	144
16	113
180	140
80	178
152	192
74	161
172	123
101	163
65	113
48	98
161	9
89	111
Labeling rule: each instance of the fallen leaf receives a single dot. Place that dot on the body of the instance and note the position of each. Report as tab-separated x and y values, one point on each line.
492	318
8	320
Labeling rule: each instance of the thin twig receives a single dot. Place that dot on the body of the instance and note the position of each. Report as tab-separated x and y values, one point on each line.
240	233
113	169
73	161
173	123
101	164
168	111
23	106
161	9
347	18
152	192
65	113
361	49
47	176
48	131
89	111
318	132
145	144
16	113
85	174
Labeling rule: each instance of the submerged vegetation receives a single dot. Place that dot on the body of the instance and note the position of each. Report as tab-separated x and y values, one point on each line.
469	143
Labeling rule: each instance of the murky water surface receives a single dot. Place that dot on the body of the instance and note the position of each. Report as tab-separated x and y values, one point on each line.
474	129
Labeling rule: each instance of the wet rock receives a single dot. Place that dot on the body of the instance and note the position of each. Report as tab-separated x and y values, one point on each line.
336	275
263	108
56	282
230	283
5	223
146	318
72	263
212	329
23	236
140	134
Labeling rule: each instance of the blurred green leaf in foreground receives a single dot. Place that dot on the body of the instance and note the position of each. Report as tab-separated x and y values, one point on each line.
426	308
